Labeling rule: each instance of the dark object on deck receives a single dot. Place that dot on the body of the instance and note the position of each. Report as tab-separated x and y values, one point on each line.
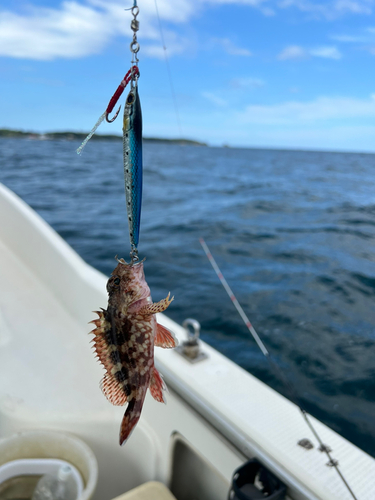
252	481
306	443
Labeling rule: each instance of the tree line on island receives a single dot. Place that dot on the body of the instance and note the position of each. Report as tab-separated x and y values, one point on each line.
80	136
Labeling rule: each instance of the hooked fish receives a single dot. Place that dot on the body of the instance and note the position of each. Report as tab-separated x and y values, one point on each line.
125	336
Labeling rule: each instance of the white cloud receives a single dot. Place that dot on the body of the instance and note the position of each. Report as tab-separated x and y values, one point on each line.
262	5
344	134
230	48
293	52
73	31
357	7
157	51
252	3
267	11
329	9
348	38
247	83
303	113
76	29
297	52
218	101
335	138
178	11
365	36
326	52
366	39
332	9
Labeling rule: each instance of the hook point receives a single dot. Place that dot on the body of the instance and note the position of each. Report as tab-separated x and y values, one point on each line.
114	118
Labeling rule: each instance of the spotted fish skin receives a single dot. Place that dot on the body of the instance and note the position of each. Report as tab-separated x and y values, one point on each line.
124	339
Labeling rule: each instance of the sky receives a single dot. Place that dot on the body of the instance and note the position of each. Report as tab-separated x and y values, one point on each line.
249	73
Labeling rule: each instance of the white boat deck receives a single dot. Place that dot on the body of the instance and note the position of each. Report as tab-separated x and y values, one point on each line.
41	344
49	378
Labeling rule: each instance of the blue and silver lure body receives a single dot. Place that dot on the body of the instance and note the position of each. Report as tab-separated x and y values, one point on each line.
132	145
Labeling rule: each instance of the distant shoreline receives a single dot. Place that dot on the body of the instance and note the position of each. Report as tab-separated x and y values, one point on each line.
80	136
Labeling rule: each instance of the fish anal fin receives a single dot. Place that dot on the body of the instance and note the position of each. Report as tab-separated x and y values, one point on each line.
156	307
112	390
165	338
157	386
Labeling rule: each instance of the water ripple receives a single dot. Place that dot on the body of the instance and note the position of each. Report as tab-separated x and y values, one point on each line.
292	231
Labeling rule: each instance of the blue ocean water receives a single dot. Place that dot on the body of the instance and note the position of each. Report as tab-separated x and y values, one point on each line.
292	231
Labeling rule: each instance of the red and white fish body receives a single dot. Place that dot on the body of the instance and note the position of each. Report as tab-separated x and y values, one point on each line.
125	336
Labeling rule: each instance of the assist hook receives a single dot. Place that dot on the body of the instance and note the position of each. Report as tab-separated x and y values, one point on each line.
110	120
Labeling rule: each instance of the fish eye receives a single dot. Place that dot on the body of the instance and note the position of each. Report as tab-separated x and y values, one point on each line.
130	99
116	281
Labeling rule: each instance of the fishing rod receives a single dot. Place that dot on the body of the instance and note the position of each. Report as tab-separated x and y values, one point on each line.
174	99
294	397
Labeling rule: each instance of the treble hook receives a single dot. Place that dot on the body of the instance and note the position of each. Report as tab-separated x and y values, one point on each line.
114	118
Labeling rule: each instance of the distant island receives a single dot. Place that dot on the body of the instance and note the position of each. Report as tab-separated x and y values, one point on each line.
80	136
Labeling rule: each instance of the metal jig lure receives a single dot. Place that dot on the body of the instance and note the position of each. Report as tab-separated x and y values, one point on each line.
132	139
132	146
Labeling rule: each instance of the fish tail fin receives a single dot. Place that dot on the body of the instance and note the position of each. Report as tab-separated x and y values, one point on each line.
130	419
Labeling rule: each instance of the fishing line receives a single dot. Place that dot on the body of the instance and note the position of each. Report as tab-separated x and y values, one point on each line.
168	70
294	397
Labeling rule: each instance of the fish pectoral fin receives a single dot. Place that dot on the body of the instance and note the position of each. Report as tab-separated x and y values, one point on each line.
156	307
165	338
157	386
112	390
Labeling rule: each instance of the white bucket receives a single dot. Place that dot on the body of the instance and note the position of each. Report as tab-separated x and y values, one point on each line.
39	467
41	452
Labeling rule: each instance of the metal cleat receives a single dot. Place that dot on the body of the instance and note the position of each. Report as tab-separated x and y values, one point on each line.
190	348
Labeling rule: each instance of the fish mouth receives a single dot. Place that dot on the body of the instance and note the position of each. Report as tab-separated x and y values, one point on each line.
131	263
137	263
137	281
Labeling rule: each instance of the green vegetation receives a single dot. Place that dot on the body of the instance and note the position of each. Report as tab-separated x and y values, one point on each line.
14	133
184	142
78	136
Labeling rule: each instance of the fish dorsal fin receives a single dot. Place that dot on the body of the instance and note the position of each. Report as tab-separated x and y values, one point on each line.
165	338
157	386
112	390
